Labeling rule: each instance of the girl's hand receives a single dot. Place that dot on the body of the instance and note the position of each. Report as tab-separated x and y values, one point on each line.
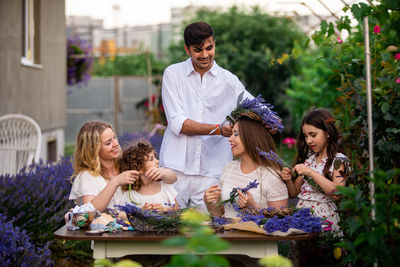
286	174
302	169
246	200
154	174
155	206
158	207
127	177
212	195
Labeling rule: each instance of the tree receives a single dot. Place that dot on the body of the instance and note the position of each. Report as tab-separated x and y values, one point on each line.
250	44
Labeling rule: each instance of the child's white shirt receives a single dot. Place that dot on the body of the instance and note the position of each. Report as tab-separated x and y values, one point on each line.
166	196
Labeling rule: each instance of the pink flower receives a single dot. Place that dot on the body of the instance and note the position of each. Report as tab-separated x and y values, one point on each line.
290	142
398	80
377	29
328	225
339	40
397	56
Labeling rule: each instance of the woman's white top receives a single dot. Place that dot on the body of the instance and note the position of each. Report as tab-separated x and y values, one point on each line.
86	184
166	196
271	187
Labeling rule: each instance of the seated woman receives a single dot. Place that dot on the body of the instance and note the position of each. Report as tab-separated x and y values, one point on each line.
153	189
96	178
250	141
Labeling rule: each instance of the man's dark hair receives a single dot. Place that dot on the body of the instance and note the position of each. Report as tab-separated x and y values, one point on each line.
196	33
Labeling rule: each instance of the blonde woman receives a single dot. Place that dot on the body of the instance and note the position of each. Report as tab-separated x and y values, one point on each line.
96	178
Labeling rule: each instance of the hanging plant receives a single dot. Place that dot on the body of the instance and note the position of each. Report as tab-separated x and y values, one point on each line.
79	61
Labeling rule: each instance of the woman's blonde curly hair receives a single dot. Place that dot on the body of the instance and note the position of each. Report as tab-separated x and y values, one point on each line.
88	144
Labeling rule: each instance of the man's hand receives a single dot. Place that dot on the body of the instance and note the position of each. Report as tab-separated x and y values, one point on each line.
226	130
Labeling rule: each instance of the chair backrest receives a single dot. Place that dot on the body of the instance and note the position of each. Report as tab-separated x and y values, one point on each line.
20	138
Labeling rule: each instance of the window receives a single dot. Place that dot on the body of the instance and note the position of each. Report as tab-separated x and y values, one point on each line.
30	24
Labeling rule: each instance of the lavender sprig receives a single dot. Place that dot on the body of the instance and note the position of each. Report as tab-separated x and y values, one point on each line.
271	155
234	193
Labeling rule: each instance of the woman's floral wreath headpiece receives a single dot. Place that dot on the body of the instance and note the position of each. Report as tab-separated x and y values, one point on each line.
257	109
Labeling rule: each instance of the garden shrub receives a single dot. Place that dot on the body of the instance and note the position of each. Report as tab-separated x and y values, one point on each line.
368	239
36	198
16	248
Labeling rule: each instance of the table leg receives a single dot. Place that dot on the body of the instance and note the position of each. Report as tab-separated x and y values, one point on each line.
100	250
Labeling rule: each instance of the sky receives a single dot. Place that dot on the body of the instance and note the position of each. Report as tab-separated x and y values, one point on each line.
146	12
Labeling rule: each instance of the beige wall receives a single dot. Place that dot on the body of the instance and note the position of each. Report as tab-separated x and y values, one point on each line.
37	92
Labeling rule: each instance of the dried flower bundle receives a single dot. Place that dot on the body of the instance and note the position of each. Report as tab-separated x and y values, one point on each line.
151	220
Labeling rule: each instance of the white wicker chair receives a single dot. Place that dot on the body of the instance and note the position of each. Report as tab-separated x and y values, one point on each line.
20	138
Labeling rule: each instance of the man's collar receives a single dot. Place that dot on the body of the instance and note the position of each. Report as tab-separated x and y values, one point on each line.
189	67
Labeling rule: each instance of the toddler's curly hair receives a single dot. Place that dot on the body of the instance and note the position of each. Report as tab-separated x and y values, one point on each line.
134	158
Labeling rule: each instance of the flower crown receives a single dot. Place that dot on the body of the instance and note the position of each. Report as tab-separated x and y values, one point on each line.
257	109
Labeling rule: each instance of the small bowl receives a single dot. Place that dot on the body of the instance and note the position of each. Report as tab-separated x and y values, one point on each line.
83	220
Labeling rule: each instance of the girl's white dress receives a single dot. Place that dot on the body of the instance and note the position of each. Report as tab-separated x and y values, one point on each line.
86	184
309	197
271	187
166	196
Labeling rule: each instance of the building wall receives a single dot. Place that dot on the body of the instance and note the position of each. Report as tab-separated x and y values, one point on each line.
39	92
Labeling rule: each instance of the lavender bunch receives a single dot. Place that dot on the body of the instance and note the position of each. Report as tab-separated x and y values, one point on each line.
151	220
234	193
17	250
301	219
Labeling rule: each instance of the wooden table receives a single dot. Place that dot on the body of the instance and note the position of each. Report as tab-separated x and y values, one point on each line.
119	244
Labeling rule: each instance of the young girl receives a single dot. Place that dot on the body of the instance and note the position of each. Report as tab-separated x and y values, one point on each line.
96	178
250	135
153	189
318	148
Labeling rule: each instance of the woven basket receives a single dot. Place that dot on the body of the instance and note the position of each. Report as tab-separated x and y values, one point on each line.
268	213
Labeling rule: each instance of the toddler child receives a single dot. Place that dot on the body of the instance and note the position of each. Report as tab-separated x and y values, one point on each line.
153	189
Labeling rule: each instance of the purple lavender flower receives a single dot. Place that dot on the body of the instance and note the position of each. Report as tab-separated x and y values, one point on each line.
259	106
301	219
16	247
271	155
234	193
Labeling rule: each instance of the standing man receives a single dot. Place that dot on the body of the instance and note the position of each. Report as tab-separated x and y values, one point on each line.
197	95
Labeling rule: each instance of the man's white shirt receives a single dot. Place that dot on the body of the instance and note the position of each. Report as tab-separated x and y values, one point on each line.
205	100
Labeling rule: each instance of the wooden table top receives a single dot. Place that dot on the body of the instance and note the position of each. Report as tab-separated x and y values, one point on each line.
231	235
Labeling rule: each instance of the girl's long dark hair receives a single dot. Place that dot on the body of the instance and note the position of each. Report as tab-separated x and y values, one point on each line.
321	119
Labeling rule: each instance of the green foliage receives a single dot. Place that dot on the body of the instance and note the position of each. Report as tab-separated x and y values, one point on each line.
198	239
366	239
313	86
69	250
373	240
135	64
249	44
275	261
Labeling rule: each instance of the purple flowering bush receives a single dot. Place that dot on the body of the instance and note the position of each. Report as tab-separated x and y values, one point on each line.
16	248
79	61
36	198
